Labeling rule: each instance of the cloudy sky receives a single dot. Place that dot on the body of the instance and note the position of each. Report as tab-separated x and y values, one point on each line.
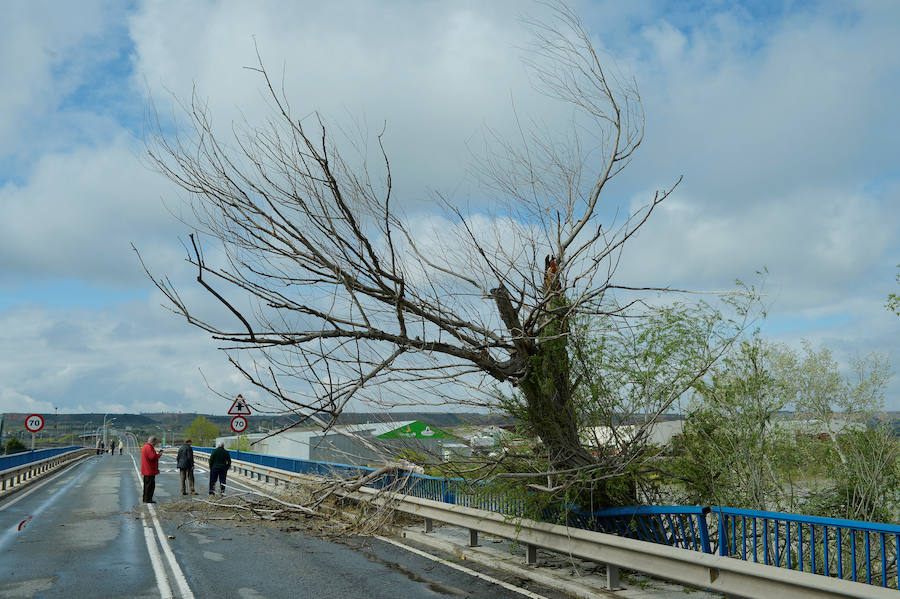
782	117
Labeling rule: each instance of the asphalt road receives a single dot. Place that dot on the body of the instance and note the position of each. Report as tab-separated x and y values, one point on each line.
84	533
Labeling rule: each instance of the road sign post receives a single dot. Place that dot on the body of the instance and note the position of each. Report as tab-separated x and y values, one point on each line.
239	407
34	423
238	425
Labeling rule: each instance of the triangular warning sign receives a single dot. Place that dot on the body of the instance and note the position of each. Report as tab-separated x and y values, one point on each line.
239	407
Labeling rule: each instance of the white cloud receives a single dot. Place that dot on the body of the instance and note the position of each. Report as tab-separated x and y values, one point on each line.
80	210
817	245
749	115
434	74
47	50
134	356
781	123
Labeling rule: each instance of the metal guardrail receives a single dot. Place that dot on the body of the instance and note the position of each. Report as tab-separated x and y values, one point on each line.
15	476
703	570
17	459
839	549
687	566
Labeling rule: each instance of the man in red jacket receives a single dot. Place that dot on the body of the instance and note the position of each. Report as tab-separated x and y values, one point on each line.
150	467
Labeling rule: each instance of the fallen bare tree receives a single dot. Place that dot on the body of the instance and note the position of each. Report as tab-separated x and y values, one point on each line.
355	302
331	502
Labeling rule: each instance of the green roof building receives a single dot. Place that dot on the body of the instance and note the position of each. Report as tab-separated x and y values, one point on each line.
416	430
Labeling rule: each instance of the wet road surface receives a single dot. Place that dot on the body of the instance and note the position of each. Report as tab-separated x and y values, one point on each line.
83	532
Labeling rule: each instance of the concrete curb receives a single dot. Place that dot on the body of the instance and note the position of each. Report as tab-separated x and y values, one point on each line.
506	565
496	555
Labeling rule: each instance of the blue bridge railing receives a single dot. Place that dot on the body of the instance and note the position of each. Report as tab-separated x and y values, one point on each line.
676	526
849	549
18	459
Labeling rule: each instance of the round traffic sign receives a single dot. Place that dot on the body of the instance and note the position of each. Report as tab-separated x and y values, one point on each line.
34	422
238	424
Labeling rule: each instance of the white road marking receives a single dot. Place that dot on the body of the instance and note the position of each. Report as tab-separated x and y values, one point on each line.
159	570
491	579
180	580
183	588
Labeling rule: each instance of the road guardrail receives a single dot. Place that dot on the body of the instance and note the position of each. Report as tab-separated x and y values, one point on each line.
721	574
16	476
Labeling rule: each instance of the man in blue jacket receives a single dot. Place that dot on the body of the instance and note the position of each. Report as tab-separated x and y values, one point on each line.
219	463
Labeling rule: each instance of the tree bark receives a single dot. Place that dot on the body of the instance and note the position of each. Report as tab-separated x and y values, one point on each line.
546	384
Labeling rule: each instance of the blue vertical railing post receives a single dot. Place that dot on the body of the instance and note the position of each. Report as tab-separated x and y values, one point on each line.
723	547
840	550
812	548
825	545
868	560
787	544
776	545
897	559
744	537
703	529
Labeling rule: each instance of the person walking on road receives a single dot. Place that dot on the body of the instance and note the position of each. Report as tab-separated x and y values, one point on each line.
219	463
121	445
186	465
150	467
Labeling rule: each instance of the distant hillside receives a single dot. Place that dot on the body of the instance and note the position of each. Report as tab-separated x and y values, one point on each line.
174	423
443	419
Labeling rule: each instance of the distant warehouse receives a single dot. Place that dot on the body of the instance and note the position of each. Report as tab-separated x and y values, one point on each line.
358	444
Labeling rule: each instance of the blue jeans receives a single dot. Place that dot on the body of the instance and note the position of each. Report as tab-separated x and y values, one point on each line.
217	474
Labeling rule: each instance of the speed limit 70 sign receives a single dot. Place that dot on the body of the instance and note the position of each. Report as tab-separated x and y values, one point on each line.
238	424
34	423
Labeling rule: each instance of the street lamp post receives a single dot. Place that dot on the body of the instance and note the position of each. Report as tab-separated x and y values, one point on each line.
163	431
105	441
104	428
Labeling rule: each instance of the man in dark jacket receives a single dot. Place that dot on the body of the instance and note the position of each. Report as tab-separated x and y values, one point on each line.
219	463
185	464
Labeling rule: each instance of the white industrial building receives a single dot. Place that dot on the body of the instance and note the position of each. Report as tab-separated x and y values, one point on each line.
660	433
358	444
